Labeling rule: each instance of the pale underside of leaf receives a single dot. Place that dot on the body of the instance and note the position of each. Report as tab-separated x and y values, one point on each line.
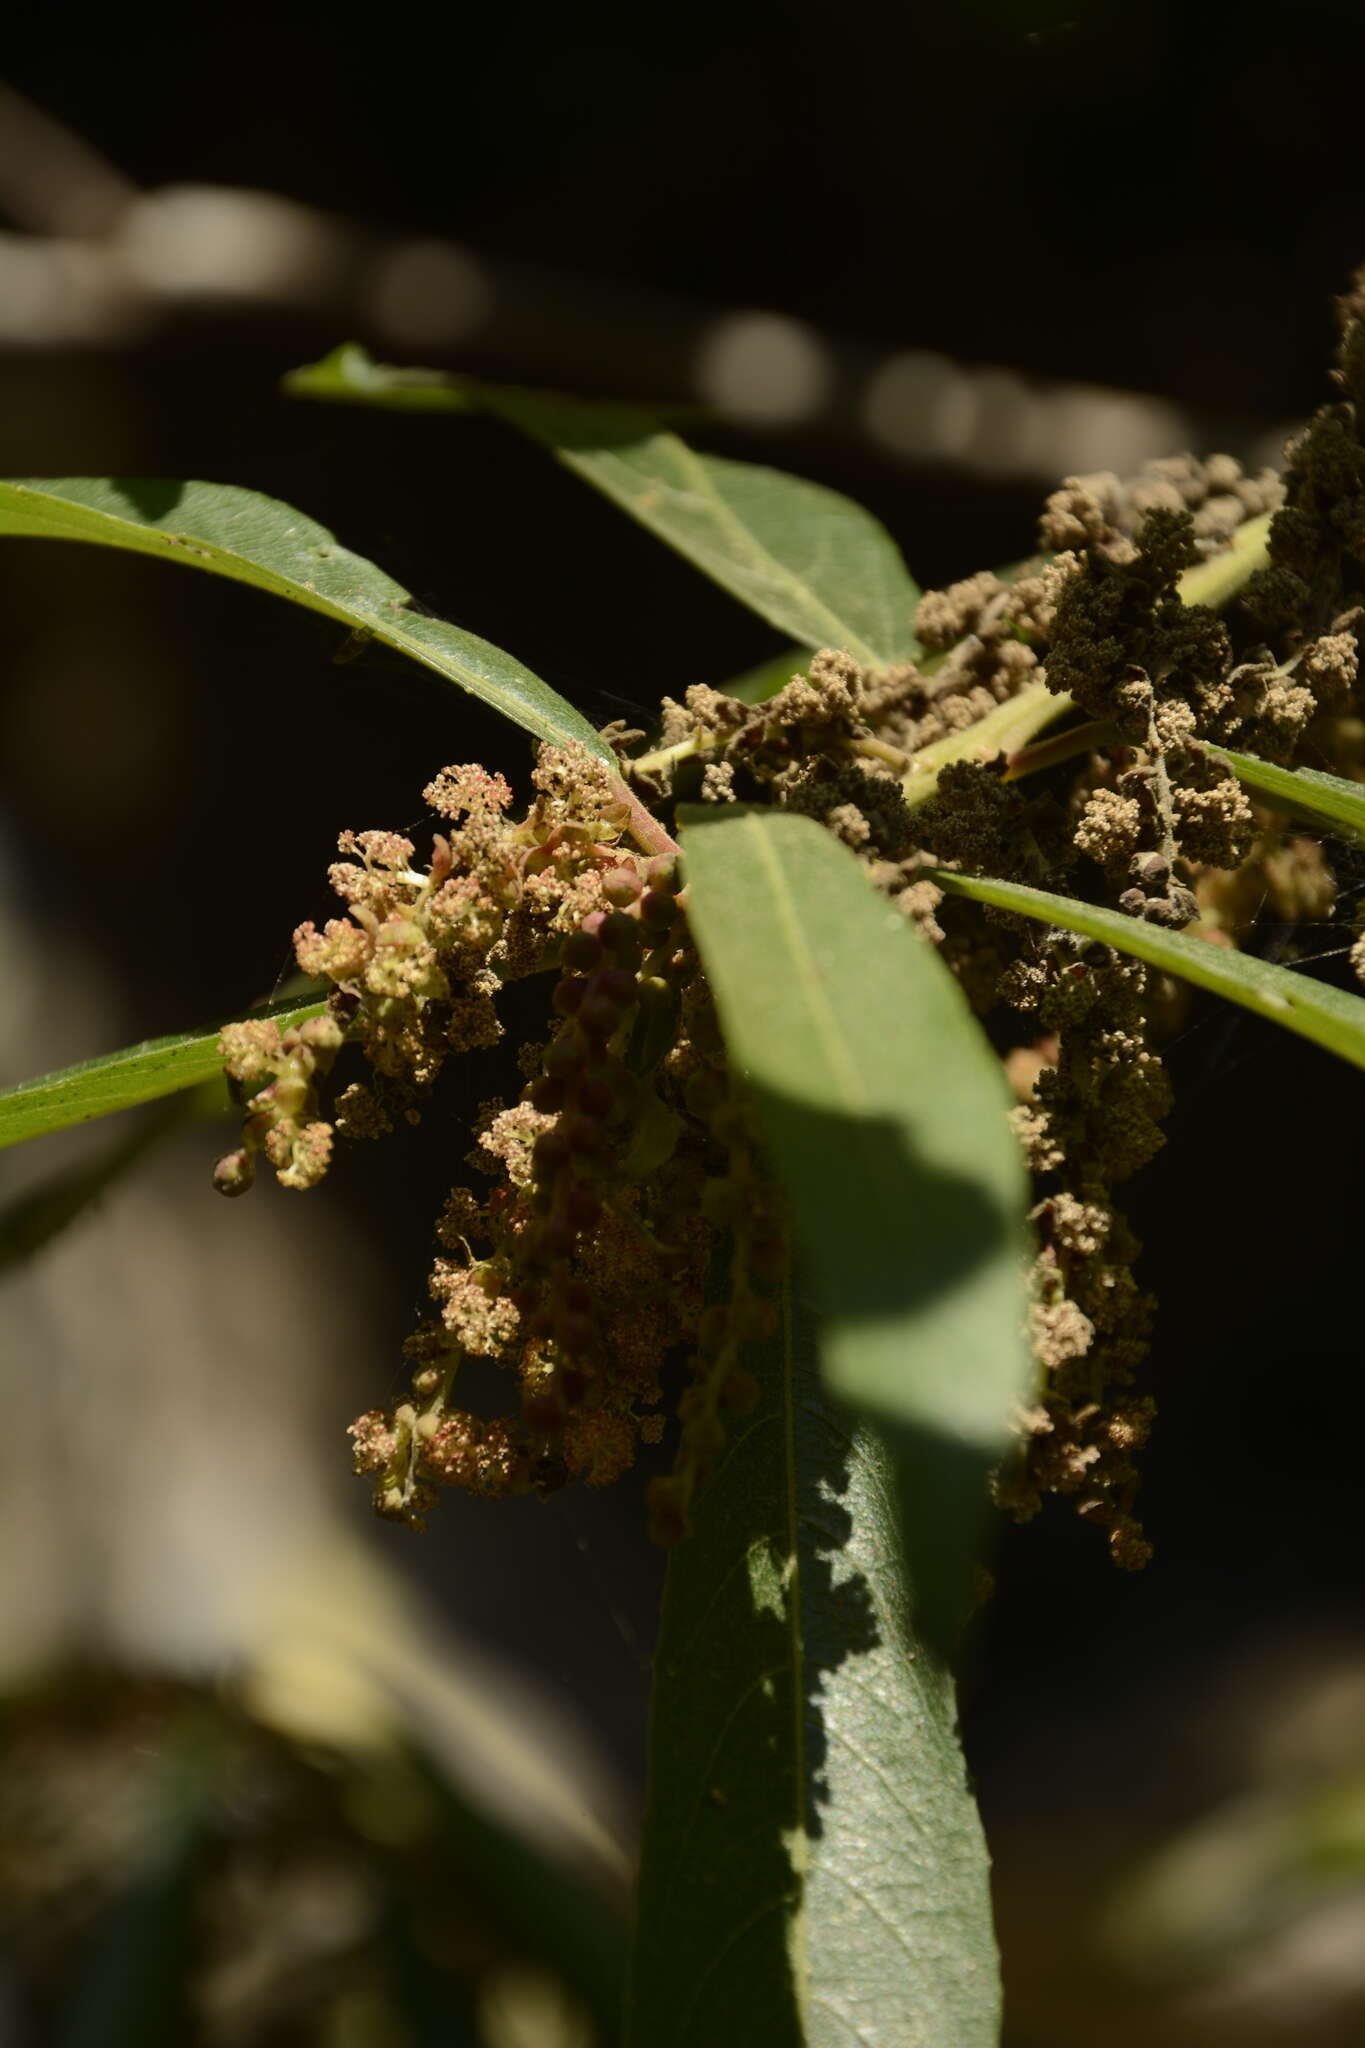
257	540
1329	1016
120	1080
813	1869
809	561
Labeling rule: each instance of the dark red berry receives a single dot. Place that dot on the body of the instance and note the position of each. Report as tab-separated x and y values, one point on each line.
582	949
546	1411
568	994
582	1207
548	1095
658	910
740	1393
550	1153
565	1055
599	1016
594	1095
574	1332
621	935
582	1133
616	983
556	1236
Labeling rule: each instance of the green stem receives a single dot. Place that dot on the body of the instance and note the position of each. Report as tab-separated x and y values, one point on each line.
1012	725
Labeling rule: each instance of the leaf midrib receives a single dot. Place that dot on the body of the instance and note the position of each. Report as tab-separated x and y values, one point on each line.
807	974
759	557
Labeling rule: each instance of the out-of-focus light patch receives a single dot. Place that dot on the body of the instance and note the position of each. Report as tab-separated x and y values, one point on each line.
52	181
1267	450
212	241
1010	428
763	367
427	294
53	292
922	406
1089	428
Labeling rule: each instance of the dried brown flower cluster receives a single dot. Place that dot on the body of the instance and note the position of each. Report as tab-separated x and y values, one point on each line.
582	1267
627	1217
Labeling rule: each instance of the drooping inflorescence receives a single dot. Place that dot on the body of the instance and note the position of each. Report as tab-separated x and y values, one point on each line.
621	1228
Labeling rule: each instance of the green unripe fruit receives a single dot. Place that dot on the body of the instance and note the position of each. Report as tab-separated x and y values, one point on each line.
664	874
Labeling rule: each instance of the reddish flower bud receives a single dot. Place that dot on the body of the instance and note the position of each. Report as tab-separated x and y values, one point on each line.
568	994
548	1095
664	873
621	886
234	1174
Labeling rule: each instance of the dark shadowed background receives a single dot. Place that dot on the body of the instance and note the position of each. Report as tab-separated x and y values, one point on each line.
933	260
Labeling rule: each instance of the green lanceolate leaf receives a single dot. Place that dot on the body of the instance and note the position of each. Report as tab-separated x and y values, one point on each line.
813	1869
1328	801
257	540
811	562
1314	1009
884	1110
118	1080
